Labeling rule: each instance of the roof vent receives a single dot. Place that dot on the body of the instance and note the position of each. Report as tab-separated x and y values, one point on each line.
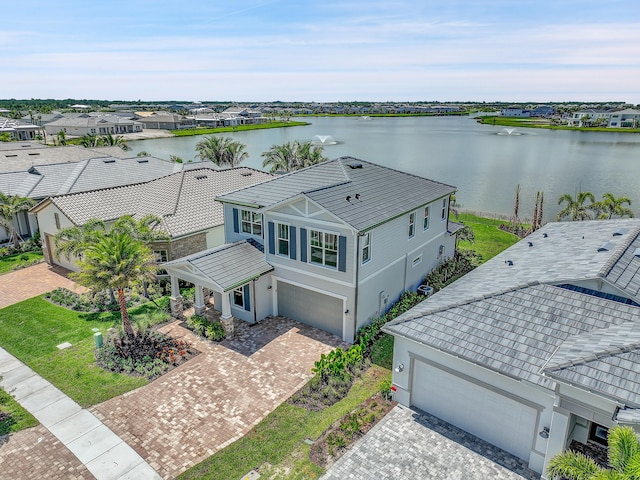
33	170
246	174
348	199
34	153
355	165
605	247
619	232
509	263
544	235
11	155
636	252
531	244
357	196
109	160
143	160
200	177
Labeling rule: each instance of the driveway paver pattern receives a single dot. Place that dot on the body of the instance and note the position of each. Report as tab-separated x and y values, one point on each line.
32	281
215	398
408	444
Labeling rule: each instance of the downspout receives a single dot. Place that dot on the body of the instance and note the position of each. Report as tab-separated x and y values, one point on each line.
355	307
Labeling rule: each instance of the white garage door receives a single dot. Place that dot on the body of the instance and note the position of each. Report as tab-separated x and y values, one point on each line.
313	308
499	420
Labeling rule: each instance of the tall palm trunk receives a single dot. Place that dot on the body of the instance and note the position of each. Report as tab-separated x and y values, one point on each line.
126	323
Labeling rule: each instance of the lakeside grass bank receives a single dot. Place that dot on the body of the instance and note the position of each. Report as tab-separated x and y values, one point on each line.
240	128
537	122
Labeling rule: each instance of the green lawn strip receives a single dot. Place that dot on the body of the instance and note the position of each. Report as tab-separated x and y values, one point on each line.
258	126
278	438
13	417
545	123
490	240
19	260
31	331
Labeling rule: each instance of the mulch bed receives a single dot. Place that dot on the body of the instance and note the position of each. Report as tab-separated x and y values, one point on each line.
325	452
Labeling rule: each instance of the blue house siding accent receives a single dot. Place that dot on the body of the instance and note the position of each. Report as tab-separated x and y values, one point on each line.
236	222
247	298
303	245
342	253
292	242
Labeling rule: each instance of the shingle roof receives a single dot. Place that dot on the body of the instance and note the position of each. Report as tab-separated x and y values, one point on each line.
42	181
21	159
185	200
360	193
514	319
229	265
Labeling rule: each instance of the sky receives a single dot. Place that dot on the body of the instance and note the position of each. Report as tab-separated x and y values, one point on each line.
329	51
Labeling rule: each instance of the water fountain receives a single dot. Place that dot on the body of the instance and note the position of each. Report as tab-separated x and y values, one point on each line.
509	131
323	140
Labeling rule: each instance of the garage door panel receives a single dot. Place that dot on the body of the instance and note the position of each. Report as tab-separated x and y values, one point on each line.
498	419
310	307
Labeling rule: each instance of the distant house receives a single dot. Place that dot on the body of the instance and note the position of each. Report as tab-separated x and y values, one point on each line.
536	350
543	111
332	245
185	201
92	124
19	130
627	118
515	112
164	120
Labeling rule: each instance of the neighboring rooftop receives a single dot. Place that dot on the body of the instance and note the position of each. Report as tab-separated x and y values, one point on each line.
185	200
21	158
360	193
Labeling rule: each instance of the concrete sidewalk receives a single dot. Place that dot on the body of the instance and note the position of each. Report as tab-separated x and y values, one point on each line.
102	452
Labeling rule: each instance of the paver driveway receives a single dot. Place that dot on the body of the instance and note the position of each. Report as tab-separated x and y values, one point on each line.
32	281
215	398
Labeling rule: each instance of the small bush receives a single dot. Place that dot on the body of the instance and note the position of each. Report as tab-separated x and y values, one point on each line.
203	327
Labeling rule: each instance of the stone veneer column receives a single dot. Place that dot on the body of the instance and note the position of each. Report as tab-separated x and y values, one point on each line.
177	308
226	320
199	306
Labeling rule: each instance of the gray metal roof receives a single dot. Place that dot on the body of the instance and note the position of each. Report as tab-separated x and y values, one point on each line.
185	200
227	266
362	197
513	319
514	332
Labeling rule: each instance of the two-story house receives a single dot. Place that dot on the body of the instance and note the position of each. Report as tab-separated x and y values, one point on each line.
332	245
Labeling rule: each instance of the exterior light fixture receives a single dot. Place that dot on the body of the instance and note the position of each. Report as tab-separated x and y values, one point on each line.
544	433
399	368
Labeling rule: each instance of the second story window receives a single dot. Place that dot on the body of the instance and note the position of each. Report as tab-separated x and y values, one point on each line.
366	247
324	248
161	256
412	224
426	218
444	208
283	239
56	218
251	223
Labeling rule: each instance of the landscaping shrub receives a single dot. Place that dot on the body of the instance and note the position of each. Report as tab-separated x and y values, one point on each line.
203	327
148	354
98	301
452	268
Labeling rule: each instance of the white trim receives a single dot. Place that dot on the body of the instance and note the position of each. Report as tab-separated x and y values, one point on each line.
363	246
276	239
323	247
427	209
412	225
312	274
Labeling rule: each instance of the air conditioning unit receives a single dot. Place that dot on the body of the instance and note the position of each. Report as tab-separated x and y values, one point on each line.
425	290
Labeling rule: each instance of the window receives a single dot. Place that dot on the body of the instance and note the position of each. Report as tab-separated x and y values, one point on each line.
161	255
238	297
366	247
426	218
444	208
324	248
283	239
251	223
56	218
412	224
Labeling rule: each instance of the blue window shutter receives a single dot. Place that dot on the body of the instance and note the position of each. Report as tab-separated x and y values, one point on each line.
236	223
292	243
247	298
342	253
303	245
272	239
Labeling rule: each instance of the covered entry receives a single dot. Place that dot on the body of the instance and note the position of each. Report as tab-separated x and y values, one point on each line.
316	309
491	415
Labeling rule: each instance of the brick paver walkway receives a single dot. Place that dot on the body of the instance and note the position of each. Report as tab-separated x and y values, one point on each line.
36	453
33	281
215	398
409	444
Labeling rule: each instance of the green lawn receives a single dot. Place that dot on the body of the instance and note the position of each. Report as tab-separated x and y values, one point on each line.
13	417
19	260
31	331
239	128
279	439
490	240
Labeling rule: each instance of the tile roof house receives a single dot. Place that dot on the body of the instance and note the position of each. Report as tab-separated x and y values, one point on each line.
344	239
185	201
92	124
537	348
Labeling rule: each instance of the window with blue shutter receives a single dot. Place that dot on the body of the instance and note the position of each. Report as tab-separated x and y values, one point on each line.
342	253
236	223
272	239
292	240
247	298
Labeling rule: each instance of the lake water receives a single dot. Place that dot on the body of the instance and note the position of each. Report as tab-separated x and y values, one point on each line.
484	162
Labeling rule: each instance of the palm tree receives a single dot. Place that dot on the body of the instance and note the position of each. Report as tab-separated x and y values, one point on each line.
611	206
10	206
109	140
292	156
576	208
113	259
223	151
90	140
624	459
